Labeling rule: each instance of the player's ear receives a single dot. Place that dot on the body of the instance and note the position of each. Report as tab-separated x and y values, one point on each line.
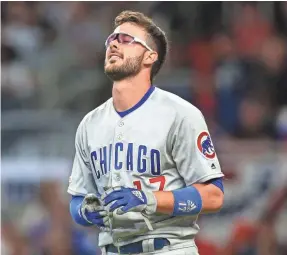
150	57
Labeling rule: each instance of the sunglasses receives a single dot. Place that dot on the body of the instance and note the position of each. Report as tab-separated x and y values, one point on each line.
124	38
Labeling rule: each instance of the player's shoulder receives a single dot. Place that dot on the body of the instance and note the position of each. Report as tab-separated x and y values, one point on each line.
177	105
96	113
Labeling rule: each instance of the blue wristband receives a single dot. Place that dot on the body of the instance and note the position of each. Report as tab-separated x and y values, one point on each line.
75	211
187	201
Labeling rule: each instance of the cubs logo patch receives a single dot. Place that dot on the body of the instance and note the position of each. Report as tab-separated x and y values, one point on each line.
205	146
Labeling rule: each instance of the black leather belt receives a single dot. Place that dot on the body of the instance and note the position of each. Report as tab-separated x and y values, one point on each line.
134	248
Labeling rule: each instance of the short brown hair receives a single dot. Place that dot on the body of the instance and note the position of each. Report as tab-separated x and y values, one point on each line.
157	38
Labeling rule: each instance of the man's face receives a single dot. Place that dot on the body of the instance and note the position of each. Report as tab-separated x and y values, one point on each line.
125	60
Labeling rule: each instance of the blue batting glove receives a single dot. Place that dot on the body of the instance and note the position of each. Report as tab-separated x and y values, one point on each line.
130	200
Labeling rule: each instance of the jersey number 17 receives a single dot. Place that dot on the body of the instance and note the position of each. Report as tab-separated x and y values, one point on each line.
158	179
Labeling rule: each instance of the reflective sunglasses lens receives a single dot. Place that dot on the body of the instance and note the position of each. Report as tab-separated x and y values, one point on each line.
110	39
125	39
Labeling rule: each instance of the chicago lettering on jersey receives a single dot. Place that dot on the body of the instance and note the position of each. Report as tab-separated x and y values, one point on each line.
127	157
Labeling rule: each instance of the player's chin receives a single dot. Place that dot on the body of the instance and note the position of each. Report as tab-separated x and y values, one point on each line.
112	66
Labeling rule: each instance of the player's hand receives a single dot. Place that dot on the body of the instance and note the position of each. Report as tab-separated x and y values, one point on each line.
130	200
93	212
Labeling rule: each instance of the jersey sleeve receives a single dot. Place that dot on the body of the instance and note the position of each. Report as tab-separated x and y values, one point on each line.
193	150
81	181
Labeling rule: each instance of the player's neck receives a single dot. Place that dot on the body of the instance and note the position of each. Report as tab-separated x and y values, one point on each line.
129	92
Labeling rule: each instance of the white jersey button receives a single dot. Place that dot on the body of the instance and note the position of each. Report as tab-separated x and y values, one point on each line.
120	136
117	178
121	124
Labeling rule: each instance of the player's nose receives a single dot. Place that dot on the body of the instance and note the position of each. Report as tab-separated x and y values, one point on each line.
114	44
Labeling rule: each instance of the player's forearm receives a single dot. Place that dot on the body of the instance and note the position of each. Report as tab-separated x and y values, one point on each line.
165	201
211	197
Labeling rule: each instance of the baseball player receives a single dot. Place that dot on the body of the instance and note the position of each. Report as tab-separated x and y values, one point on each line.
145	166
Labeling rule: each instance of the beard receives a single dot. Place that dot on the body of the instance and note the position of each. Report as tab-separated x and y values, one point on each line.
130	68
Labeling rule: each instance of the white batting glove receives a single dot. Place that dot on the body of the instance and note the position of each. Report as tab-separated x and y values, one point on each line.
94	212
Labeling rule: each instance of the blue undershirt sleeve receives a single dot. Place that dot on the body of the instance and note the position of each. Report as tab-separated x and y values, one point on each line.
217	182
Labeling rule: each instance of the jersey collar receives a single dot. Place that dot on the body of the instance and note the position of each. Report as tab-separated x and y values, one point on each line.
140	103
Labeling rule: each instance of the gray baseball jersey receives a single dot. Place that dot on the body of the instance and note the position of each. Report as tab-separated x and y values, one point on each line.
162	143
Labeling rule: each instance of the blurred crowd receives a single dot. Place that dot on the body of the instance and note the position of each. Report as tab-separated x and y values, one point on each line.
44	226
229	59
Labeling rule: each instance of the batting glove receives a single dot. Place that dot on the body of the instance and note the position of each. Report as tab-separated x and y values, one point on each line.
130	200
93	212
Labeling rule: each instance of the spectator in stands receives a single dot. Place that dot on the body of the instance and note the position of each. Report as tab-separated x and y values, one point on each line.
21	29
230	81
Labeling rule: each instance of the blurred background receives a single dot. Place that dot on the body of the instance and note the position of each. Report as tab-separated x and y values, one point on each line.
227	58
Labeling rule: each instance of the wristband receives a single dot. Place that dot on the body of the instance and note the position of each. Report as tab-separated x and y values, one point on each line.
187	201
75	210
